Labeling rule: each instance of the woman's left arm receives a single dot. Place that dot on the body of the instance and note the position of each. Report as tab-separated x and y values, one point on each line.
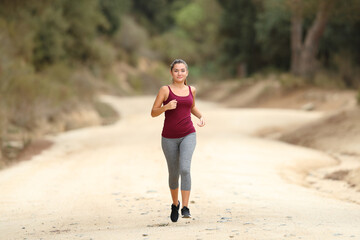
196	111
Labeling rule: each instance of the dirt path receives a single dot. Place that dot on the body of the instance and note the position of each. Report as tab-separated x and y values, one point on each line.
111	183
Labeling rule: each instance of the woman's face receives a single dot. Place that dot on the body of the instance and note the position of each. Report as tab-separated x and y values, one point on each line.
179	72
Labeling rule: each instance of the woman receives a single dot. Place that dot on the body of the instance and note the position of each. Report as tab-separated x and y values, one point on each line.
178	142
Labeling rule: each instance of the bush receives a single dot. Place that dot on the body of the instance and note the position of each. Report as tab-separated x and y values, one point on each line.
136	83
106	112
131	37
49	38
28	95
347	71
328	79
290	81
101	57
176	44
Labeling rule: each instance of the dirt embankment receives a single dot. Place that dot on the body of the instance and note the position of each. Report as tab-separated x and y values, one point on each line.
270	94
337	134
20	144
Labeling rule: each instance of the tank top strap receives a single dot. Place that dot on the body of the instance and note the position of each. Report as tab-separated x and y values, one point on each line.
170	91
190	92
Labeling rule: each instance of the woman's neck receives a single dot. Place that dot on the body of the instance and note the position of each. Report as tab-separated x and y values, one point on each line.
178	85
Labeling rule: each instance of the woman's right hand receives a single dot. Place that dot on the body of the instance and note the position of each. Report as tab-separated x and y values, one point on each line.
171	105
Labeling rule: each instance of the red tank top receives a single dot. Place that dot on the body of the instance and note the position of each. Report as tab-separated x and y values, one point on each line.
178	122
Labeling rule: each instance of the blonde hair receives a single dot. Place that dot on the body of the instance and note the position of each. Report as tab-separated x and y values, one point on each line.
176	61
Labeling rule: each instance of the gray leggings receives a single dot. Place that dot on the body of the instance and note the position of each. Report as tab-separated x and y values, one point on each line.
178	153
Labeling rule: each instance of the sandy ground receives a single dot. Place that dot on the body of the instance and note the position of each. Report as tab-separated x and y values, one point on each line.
110	182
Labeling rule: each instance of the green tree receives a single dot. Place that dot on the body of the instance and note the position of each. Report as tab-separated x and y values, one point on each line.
154	14
113	10
83	18
49	38
193	36
199	23
305	42
272	34
239	36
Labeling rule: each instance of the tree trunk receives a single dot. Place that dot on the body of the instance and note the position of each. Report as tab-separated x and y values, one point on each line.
296	35
241	70
304	54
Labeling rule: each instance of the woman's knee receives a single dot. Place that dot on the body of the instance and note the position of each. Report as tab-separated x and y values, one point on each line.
184	172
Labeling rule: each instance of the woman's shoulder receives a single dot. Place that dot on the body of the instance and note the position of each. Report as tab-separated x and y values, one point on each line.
193	90
164	89
164	92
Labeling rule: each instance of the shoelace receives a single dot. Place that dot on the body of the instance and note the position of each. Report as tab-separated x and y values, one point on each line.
186	210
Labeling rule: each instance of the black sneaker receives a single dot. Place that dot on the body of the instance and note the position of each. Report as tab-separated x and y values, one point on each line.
185	212
174	212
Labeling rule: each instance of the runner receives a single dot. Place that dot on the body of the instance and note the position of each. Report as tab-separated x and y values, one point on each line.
178	142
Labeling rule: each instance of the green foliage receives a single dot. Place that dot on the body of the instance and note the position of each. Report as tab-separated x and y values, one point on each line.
132	36
358	97
189	17
346	68
101	57
161	72
21	90
62	31
194	35
176	44
136	83
340	51
40	40
132	39
113	10
49	41
28	95
290	81
153	14
239	35
273	34
200	21
269	23
83	17
327	79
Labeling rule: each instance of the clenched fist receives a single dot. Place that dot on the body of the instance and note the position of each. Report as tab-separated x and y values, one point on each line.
171	105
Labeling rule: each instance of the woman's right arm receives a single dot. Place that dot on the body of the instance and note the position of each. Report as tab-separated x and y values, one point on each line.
157	108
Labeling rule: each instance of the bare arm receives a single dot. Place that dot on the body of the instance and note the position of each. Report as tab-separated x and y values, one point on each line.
158	107
195	111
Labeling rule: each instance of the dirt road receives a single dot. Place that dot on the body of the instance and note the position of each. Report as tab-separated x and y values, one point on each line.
111	183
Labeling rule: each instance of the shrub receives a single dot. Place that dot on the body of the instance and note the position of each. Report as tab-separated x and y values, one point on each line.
136	82
106	112
290	81
131	37
328	79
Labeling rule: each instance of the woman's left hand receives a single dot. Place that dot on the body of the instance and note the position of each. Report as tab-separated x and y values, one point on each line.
202	122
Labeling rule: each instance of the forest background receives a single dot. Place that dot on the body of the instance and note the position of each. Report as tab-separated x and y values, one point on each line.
57	55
